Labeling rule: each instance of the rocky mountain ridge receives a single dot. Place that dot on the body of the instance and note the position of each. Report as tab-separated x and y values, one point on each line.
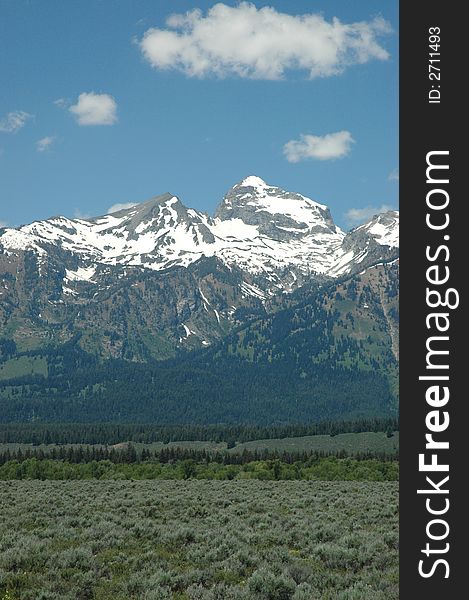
158	276
260	228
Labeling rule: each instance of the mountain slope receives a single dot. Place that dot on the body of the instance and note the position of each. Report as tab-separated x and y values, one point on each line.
277	368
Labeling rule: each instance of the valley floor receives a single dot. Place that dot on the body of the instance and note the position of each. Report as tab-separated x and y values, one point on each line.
198	540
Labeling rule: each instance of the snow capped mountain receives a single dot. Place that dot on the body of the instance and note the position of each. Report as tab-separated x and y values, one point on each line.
159	277
152	234
277	213
277	236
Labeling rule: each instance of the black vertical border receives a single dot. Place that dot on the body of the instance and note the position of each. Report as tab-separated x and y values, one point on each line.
425	127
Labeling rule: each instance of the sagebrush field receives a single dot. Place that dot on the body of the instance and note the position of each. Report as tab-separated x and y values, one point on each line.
198	540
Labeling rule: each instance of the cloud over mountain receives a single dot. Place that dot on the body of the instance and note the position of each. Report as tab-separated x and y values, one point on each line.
325	147
355	216
120	206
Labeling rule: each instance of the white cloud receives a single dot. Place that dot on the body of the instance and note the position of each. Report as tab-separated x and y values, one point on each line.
78	214
14	121
394	175
119	206
95	109
356	216
319	147
3	224
261	43
61	102
45	143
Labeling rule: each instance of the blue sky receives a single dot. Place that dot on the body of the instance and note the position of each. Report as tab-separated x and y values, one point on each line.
97	110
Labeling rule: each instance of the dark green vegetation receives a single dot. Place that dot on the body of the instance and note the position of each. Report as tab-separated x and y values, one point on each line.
182	463
356	456
271	368
198	540
318	469
79	387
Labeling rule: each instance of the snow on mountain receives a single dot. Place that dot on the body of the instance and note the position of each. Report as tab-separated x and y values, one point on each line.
368	244
263	198
154	234
384	228
279	236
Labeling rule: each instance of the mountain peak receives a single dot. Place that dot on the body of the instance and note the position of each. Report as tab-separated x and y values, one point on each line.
134	208
161	199
275	212
384	228
252	181
143	206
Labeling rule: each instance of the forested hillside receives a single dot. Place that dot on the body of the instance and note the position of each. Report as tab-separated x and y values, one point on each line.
277	368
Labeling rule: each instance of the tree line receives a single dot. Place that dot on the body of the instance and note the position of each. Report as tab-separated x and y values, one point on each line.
131	455
113	433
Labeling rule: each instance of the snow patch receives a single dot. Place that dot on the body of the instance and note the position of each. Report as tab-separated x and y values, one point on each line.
81	274
253	181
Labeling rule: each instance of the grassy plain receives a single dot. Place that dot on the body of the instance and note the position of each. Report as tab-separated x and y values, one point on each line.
23	365
352	443
198	540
